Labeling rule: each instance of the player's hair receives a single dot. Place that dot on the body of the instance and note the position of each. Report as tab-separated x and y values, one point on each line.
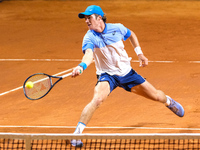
103	18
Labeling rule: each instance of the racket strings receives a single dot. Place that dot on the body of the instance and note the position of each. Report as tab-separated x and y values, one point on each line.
41	86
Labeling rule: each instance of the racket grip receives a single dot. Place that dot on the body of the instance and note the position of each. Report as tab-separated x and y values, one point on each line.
66	75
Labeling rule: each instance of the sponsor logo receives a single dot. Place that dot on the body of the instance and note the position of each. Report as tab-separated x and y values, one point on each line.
103	78
113	33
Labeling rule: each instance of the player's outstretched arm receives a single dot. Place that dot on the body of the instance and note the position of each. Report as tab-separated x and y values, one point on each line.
86	61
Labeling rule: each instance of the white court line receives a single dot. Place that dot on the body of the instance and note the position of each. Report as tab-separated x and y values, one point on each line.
157	61
73	127
40	59
196	62
13	60
4	93
67	70
11	90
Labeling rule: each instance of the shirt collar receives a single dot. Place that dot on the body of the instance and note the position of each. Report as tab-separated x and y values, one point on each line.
104	31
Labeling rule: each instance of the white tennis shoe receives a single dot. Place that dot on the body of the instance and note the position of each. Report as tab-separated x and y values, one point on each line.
77	143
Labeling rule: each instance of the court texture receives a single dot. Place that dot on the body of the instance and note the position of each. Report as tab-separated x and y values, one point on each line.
46	36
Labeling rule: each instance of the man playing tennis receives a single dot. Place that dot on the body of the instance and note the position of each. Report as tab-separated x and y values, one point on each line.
103	43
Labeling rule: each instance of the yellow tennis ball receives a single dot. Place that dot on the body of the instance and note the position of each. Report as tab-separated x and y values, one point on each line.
29	84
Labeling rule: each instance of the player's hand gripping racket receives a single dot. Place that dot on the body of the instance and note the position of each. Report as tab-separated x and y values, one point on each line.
38	85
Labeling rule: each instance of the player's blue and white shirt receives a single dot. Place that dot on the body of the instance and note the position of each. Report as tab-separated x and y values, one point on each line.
109	53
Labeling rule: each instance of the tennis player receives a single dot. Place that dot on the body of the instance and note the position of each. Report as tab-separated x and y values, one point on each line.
103	42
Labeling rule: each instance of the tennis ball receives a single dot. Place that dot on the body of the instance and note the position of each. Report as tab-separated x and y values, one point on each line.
29	84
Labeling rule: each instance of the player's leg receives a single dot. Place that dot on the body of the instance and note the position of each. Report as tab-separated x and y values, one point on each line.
147	90
101	92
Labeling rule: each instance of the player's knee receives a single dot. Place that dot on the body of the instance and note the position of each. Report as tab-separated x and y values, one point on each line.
159	96
97	101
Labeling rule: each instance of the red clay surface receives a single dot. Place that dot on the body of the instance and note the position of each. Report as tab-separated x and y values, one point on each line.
167	31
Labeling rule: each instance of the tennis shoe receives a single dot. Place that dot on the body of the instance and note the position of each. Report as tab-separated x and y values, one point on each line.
176	108
77	143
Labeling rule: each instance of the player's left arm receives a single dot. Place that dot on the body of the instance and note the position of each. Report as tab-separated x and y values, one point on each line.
135	43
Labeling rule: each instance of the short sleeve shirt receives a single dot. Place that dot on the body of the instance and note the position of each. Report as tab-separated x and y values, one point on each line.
108	49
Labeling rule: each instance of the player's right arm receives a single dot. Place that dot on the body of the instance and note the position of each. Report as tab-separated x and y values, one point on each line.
86	61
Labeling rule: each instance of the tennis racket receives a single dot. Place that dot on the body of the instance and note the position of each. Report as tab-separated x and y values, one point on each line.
39	85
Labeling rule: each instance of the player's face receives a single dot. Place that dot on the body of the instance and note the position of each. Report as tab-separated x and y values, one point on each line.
92	22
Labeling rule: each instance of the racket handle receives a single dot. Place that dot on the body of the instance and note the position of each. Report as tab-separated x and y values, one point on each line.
66	75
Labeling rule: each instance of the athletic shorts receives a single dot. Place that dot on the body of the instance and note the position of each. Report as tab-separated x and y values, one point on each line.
127	82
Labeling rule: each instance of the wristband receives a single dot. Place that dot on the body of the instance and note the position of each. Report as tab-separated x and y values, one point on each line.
82	64
138	50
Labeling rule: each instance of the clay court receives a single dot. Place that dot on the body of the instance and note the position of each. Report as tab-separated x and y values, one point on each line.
46	36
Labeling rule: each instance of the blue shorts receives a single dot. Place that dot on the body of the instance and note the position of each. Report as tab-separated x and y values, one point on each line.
127	82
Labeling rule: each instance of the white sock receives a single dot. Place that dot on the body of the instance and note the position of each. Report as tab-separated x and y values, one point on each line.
80	127
168	101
